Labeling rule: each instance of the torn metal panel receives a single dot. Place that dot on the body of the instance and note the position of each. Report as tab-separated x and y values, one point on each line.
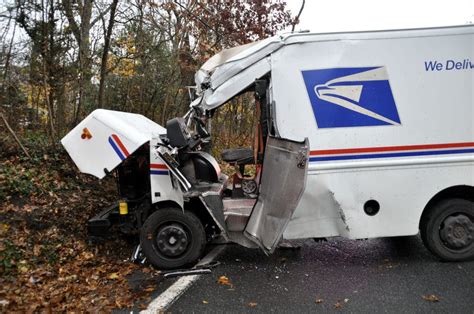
224	56
230	62
238	64
234	85
241	239
213	203
237	213
283	183
340	211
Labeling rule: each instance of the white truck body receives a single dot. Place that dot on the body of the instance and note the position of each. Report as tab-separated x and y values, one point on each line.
393	123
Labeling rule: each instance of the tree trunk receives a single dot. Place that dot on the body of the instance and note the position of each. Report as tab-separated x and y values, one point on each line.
105	54
8	57
48	61
81	34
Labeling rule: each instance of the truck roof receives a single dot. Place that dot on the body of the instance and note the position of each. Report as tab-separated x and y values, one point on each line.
232	70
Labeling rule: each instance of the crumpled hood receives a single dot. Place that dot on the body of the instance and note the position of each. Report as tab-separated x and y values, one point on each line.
232	70
105	138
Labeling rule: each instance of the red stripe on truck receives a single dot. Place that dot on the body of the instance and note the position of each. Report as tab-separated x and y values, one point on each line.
120	144
158	166
388	148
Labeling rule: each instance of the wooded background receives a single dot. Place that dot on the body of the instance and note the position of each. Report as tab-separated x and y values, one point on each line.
61	59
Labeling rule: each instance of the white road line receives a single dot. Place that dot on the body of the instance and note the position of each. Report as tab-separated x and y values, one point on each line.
162	302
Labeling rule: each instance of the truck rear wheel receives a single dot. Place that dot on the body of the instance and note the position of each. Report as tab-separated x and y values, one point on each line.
447	230
172	238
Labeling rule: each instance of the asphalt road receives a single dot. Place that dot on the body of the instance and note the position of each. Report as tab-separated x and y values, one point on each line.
380	275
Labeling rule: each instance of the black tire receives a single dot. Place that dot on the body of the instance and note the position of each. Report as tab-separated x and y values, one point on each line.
447	230
169	224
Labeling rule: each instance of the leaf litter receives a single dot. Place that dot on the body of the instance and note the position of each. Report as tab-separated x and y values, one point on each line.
47	262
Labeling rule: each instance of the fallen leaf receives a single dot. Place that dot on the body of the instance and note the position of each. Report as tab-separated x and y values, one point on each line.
37	249
23	268
252	304
338	305
318	301
223	280
4	228
87	255
33	280
431	298
113	276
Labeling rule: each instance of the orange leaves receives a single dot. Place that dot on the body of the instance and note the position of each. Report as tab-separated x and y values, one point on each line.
87	255
338	305
113	276
225	281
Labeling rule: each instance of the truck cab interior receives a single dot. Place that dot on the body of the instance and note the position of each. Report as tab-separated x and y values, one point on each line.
238	194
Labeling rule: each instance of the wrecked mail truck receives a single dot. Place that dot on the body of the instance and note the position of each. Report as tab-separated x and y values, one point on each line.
359	135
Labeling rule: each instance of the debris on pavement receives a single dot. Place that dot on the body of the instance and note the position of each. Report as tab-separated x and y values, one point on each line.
223	280
431	298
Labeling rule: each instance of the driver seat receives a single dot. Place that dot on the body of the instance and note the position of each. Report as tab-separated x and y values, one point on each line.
238	156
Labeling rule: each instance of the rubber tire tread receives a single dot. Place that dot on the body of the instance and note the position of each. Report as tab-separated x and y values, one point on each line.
430	235
195	249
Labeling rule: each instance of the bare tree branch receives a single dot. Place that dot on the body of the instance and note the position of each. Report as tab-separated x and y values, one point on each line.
101	15
297	19
14	135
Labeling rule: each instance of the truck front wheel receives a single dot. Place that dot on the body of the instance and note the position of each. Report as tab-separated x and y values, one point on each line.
447	230
172	238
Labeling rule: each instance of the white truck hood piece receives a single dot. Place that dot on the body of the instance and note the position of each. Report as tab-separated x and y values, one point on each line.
105	138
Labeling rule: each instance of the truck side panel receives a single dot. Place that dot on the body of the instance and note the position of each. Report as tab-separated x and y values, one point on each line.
389	119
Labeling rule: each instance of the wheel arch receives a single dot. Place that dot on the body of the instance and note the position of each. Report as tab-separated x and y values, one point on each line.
164	204
194	205
157	206
465	192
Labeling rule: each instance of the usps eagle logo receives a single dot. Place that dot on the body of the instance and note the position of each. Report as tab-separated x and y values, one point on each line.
351	97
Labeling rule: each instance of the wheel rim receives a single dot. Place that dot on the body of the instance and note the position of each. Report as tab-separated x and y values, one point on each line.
457	231
249	186
172	240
